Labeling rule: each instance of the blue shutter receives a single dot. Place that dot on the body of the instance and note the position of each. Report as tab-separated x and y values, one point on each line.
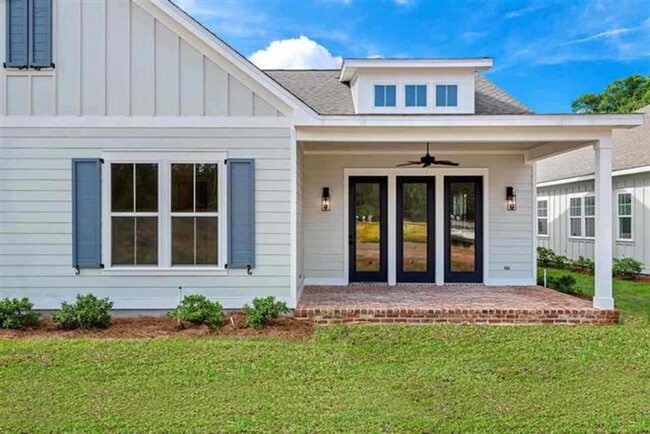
241	213
86	213
16	33
40	34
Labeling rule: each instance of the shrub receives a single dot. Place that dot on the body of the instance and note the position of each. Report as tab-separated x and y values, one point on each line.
197	309
565	283
547	258
87	312
583	264
627	268
263	310
17	314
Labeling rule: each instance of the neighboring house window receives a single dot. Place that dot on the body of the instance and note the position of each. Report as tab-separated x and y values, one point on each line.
165	211
625	216
415	95
446	95
590	216
575	216
582	217
385	95
542	217
28	34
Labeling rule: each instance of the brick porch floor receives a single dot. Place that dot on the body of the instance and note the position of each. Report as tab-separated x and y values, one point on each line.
469	304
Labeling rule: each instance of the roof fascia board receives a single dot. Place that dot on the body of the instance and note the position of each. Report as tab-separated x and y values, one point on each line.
241	64
563	120
591	177
351	66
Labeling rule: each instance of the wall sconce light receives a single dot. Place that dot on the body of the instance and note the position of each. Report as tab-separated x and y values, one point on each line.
511	199
325	200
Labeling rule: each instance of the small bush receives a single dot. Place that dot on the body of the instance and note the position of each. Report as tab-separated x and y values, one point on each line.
17	314
197	309
582	264
88	312
263	310
565	283
547	258
627	268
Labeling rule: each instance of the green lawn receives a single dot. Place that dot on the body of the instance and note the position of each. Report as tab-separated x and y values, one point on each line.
631	298
346	379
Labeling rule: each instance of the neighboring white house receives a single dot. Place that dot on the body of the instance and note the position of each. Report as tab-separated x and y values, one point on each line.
140	154
565	199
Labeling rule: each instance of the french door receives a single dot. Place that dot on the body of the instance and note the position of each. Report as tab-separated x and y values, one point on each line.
415	229
463	229
368	230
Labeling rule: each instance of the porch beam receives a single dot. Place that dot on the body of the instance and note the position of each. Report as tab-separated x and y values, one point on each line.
604	249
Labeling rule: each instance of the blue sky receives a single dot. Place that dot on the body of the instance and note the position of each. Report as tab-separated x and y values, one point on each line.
545	52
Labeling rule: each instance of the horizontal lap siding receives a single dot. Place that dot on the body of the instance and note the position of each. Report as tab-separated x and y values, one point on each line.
559	240
510	235
35	219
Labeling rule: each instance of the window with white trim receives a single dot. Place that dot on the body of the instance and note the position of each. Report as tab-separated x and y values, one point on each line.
624	212
166	210
415	95
446	95
385	95
575	216
542	217
582	216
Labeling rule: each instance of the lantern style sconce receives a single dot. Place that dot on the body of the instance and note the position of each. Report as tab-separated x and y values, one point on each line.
325	200
511	199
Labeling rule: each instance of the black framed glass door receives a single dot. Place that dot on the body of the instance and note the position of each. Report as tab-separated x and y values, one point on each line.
368	230
415	228
463	229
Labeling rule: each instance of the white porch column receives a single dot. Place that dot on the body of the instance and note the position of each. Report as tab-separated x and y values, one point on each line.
604	248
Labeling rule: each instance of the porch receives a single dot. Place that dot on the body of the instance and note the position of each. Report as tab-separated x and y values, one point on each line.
458	304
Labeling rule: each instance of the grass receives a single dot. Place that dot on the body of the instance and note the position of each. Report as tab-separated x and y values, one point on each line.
631	298
349	379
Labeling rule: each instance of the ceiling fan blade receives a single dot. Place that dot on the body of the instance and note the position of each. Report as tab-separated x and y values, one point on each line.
411	163
427	163
446	163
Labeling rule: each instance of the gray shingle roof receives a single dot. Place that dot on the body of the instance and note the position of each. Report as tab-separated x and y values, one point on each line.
631	149
322	90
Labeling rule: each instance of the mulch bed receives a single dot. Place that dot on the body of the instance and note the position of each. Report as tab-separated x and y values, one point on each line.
153	327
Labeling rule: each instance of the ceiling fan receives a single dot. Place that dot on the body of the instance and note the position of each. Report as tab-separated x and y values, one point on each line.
428	160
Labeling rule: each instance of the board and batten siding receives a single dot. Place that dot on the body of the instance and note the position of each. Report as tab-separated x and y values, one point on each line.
126	58
35	217
510	234
558	224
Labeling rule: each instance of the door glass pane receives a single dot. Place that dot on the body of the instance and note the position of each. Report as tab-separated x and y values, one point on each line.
182	187
368	224
463	226
414	226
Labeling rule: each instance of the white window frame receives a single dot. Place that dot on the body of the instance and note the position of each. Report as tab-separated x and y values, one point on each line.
548	212
582	217
426	96
619	193
446	106
164	161
385	85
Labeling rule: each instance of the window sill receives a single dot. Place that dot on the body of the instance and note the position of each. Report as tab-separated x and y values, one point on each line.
543	236
582	238
176	271
625	240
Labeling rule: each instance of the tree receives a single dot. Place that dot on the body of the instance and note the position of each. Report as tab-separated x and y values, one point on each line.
620	96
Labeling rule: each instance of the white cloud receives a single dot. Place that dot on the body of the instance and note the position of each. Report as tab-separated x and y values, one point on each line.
296	53
601	35
403	2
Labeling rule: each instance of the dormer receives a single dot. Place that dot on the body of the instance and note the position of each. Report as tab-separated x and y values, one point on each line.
413	86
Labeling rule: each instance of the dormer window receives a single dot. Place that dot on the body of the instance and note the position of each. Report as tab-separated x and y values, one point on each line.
415	95
385	95
446	95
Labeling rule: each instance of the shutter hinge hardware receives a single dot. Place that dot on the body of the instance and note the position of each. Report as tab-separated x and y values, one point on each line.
225	161
101	266
77	270
101	161
225	266
248	270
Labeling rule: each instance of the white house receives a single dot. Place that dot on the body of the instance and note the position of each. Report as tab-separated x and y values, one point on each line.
140	154
566	198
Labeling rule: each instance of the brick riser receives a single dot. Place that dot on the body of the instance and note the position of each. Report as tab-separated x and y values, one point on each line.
458	316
